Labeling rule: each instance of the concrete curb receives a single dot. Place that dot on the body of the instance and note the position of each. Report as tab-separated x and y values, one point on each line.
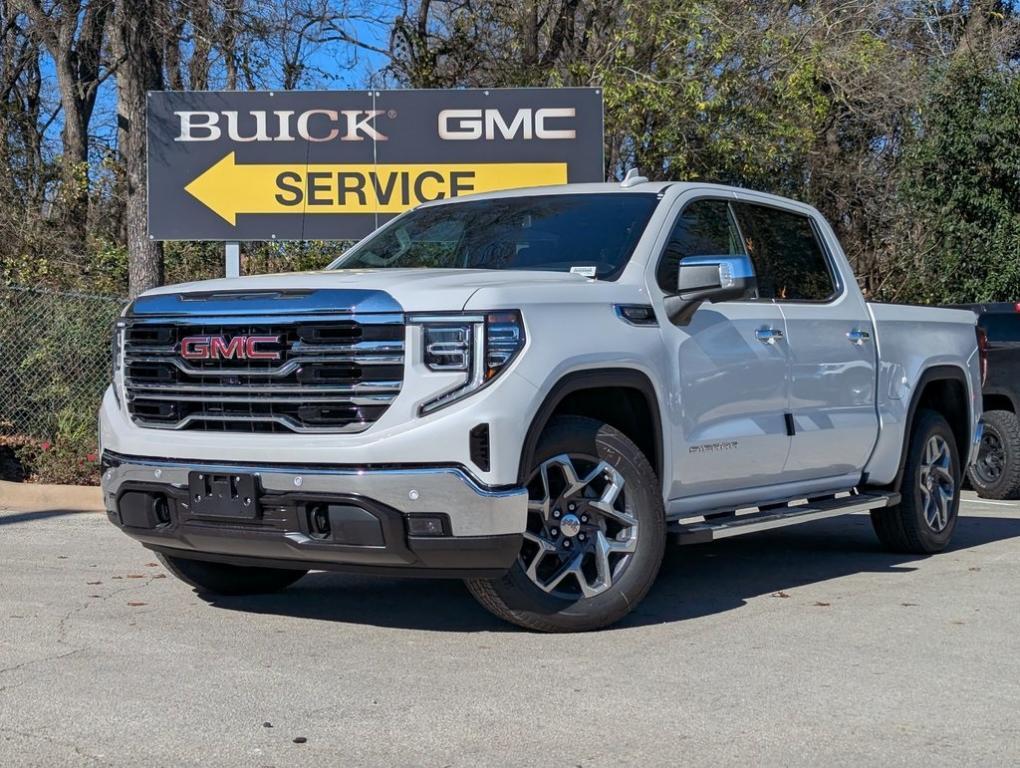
30	497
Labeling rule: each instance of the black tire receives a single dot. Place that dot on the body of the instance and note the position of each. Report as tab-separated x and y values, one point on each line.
905	527
996	474
517	599
222	579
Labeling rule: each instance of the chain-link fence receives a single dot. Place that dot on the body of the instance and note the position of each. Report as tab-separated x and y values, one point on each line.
55	349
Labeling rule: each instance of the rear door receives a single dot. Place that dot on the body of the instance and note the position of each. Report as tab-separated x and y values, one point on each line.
831	343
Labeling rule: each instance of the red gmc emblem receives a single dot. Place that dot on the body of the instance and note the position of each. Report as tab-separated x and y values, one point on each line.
221	348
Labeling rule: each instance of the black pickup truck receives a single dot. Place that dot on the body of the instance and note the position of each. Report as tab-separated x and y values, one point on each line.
996	474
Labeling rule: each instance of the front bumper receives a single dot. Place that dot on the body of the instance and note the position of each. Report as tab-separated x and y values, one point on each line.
149	500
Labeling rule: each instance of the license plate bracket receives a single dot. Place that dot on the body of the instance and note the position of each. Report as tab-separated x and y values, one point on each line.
223	495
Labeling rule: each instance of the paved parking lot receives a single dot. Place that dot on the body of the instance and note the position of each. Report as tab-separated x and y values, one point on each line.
806	646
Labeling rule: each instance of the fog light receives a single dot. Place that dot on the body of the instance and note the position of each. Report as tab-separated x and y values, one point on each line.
160	509
318	517
427	525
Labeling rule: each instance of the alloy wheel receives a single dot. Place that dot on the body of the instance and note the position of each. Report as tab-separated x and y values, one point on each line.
938	488
991	458
581	536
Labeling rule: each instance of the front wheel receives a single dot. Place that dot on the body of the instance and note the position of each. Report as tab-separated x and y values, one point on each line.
924	520
595	535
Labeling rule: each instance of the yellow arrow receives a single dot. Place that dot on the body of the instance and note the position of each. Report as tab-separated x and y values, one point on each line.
229	189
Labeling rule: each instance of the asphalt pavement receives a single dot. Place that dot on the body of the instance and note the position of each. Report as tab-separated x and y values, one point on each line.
807	646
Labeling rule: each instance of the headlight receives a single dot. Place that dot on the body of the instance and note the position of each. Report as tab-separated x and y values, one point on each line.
447	347
481	346
117	361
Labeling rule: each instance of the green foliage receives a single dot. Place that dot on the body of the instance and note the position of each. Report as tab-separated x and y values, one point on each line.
689	95
897	120
964	185
56	355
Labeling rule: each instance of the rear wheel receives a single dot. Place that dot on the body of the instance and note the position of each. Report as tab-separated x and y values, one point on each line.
595	536
223	579
996	473
924	520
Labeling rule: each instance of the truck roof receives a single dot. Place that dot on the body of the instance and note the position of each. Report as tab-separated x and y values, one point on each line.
634	187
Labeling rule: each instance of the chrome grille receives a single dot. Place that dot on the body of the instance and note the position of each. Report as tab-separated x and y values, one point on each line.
334	374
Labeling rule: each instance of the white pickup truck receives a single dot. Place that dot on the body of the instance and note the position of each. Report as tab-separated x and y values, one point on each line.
534	390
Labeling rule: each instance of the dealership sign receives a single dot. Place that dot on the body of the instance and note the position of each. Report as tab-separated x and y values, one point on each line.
336	164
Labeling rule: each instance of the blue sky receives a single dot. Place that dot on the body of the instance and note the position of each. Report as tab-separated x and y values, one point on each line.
328	66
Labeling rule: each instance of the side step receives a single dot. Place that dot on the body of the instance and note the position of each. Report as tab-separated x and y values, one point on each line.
723	526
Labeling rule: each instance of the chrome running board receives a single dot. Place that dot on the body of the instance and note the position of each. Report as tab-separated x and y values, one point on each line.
721	526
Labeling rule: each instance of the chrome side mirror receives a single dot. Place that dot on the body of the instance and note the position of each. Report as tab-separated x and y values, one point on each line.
711	279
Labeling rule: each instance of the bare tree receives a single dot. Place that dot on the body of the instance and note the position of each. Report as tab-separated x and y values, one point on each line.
202	44
72	32
20	139
136	42
20	105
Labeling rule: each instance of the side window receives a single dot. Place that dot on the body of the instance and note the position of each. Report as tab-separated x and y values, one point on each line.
704	228
788	259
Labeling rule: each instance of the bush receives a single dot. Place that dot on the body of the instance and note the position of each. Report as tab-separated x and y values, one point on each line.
964	185
11	465
71	458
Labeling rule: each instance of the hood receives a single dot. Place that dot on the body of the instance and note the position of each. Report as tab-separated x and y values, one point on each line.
415	290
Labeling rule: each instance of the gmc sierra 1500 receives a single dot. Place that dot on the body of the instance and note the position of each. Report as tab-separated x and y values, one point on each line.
533	390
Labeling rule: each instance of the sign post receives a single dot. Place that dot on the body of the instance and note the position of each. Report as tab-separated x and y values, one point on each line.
335	165
232	258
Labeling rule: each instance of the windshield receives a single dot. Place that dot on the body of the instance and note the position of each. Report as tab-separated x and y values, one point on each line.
592	234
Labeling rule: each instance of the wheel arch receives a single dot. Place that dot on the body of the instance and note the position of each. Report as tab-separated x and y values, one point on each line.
999	400
945	389
635	411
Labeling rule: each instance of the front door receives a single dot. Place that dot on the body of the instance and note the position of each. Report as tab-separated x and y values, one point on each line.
730	371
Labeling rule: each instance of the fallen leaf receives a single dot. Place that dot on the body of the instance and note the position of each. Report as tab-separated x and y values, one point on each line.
820	604
93	583
136	576
780	593
152	565
135	603
159	576
61	557
909	605
117	577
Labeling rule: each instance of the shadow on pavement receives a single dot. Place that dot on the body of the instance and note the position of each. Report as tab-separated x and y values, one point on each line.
429	604
8	518
711	578
695	581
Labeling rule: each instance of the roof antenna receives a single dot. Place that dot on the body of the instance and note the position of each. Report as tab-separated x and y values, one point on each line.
633	178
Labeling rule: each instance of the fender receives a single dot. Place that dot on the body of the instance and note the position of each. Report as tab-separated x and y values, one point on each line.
1006	394
592	379
929	375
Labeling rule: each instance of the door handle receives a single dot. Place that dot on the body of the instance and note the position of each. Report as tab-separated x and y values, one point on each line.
857	336
768	335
